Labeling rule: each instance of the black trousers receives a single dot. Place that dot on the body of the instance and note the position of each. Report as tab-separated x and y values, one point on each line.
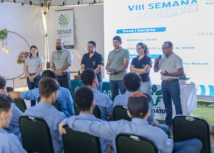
65	81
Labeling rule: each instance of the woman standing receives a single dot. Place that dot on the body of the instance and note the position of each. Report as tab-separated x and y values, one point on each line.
33	68
142	65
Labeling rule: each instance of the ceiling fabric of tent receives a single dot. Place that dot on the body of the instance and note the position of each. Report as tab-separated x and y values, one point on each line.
54	2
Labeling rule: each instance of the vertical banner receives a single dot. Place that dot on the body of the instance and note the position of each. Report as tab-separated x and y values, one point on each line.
65	27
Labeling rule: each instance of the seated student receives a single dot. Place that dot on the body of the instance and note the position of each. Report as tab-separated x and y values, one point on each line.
103	101
132	82
84	99
64	96
48	89
212	129
14	123
138	110
9	143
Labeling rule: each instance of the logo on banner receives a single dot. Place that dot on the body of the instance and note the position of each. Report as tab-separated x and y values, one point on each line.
210	2
157	93
64	20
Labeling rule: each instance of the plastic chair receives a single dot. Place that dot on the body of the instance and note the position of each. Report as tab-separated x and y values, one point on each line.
120	112
131	143
20	104
79	142
188	127
96	112
36	135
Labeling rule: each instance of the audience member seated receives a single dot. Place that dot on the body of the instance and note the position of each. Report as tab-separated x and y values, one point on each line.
16	113
64	96
132	82
212	129
84	99
48	89
138	110
9	143
89	78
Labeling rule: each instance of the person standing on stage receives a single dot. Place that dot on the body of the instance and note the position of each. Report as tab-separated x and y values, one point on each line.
61	60
93	60
141	65
117	64
171	69
33	68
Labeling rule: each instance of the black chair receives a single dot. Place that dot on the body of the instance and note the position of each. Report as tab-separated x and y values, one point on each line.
36	135
78	142
56	104
9	89
120	112
187	127
20	104
96	111
130	143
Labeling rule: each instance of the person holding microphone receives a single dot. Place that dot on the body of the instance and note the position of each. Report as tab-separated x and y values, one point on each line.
171	69
33	68
141	65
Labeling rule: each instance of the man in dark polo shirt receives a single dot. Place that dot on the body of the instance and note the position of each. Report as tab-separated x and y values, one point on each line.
93	60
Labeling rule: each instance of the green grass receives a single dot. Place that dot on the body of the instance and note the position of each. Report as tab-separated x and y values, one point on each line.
206	112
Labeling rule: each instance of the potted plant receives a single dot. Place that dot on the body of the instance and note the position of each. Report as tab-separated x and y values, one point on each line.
183	79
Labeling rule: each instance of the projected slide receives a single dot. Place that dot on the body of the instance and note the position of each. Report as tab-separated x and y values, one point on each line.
188	24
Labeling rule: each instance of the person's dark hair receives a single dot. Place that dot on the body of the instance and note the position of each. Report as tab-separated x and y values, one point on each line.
132	81
138	105
84	97
47	86
92	42
88	76
2	83
117	38
169	44
37	54
146	51
5	103
48	73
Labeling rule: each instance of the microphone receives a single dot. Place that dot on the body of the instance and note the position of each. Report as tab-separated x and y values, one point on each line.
158	62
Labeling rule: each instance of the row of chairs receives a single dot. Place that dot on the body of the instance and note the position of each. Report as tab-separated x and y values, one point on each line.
40	140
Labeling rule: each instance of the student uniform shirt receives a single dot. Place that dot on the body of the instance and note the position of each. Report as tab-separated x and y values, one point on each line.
104	104
91	117
140	64
93	62
110	130
34	64
64	98
53	118
122	100
9	143
14	122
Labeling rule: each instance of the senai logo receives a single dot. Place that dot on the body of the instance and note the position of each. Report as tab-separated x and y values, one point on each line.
210	2
64	20
158	94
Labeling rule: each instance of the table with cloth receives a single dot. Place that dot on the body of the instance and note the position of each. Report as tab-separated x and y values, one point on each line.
188	97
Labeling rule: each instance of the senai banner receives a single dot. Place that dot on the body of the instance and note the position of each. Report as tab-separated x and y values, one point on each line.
64	27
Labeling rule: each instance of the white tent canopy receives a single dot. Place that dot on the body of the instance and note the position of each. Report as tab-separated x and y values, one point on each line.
54	2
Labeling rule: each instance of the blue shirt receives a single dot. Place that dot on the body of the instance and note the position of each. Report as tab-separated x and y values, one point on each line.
14	122
122	100
91	117
212	127
64	98
9	143
104	104
53	118
110	130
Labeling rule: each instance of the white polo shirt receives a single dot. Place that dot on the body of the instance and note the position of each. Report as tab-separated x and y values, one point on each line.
171	65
